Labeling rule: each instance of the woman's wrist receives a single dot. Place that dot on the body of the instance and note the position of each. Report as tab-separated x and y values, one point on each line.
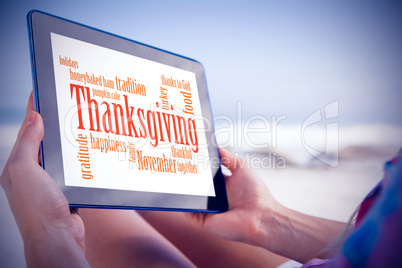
267	232
294	235
53	247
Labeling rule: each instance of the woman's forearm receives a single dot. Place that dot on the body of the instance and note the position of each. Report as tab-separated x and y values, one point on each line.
295	235
53	249
122	238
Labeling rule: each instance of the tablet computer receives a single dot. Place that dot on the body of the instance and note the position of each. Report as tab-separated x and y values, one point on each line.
127	125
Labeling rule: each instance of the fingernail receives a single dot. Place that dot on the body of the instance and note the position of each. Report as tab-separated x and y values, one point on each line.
31	118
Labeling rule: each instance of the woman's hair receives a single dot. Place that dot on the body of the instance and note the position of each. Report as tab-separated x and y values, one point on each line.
336	244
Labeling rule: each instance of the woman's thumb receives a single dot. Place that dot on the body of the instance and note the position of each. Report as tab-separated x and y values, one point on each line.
31	136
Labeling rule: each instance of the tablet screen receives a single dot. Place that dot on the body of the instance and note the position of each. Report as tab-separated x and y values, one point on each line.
128	123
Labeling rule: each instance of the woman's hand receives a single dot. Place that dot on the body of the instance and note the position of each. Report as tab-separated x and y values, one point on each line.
53	237
249	199
256	218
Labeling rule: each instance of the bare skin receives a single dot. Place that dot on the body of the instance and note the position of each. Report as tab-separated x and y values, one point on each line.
255	225
256	218
47	227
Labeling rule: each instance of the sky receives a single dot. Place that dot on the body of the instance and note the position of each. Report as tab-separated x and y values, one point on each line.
276	59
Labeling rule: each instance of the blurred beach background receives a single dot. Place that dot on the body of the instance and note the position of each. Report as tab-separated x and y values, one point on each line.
316	84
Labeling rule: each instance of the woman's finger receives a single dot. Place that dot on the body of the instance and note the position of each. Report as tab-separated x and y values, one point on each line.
229	160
